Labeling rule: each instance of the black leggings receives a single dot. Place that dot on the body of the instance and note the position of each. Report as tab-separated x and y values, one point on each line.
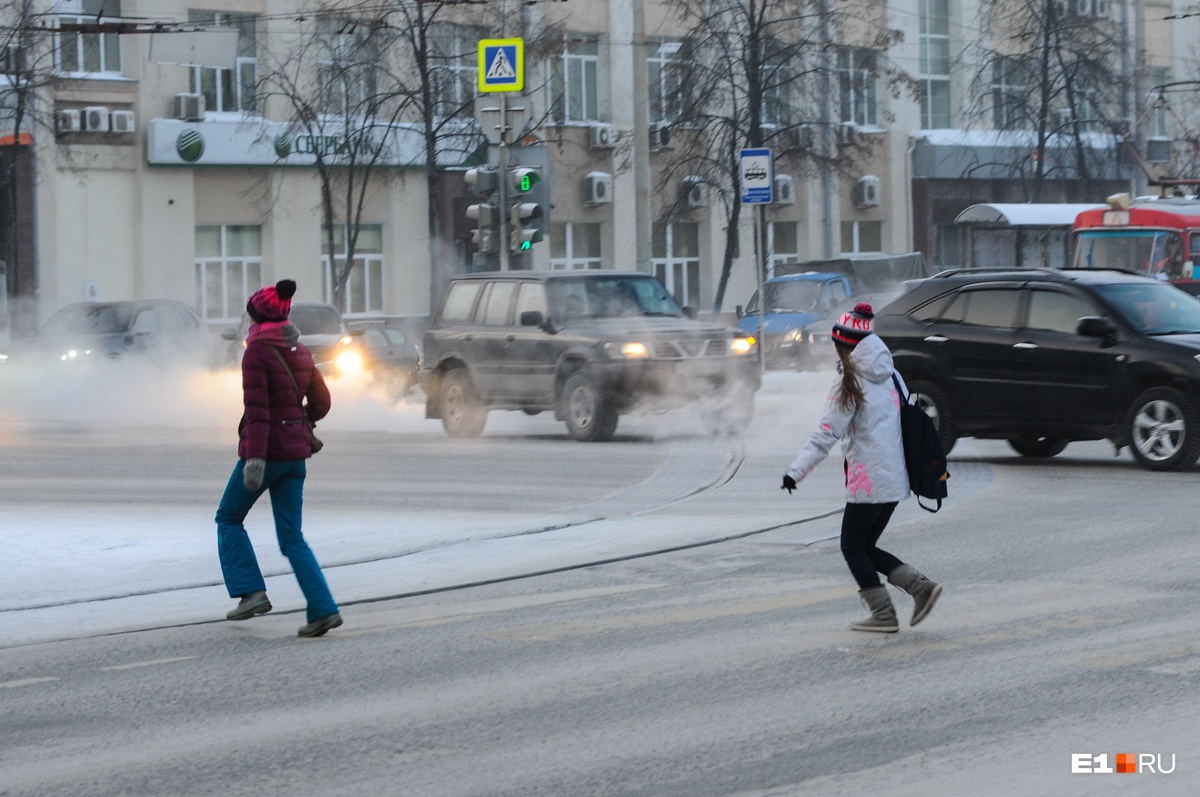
861	526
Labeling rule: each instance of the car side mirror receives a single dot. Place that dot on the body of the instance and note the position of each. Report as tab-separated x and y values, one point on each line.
533	318
1096	327
229	333
689	311
741	311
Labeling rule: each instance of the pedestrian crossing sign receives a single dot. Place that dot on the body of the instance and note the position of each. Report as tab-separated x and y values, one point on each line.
501	64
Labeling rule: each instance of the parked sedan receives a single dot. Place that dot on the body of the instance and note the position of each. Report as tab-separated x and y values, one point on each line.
813	344
390	356
322	331
159	329
1044	357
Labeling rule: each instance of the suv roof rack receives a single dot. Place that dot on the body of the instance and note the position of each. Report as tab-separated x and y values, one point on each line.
954	272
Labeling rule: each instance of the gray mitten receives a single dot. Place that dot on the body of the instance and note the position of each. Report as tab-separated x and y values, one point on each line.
253	472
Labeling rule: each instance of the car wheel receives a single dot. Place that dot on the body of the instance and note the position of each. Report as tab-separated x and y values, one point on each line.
1039	447
1162	430
731	416
930	398
589	414
462	414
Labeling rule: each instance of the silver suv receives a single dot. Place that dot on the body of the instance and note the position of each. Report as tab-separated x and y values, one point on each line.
588	346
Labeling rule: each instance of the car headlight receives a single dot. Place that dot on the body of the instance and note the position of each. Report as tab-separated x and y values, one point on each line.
349	362
742	345
75	354
346	340
794	335
630	350
3	356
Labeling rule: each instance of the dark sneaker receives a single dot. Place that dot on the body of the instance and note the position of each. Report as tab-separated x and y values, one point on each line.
250	605
319	626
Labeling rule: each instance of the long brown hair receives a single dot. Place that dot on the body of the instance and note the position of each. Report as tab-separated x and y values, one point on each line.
852	393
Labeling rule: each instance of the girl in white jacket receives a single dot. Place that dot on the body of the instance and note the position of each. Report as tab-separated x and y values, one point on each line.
863	411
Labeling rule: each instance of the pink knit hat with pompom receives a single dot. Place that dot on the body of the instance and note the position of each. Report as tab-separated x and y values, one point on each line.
272	303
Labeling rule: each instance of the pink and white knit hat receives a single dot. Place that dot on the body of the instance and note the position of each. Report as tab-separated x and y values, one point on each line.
854	325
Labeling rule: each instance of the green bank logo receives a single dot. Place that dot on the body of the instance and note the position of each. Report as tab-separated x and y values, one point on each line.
190	145
283	145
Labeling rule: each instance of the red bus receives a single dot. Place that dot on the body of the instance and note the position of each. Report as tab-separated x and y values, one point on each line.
1159	237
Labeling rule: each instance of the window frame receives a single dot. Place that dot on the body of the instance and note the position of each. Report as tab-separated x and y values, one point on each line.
370	262
233	292
562	100
857	98
244	93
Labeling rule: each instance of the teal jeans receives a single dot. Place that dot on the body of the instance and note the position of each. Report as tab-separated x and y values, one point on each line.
285	481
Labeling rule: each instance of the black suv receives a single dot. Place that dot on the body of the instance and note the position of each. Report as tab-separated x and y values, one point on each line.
1044	357
587	345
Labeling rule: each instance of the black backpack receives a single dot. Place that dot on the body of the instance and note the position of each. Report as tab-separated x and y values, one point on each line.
924	455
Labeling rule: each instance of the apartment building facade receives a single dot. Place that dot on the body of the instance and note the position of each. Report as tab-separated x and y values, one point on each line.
148	176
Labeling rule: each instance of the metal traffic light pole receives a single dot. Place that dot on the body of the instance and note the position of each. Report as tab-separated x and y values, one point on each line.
502	184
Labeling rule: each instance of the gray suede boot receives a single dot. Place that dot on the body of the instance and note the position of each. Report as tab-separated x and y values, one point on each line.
924	592
883	614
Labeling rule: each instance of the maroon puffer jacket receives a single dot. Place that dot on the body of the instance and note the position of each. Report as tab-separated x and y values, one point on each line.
273	425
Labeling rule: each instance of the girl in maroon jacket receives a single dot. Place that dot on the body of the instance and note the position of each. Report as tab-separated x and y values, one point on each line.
274	443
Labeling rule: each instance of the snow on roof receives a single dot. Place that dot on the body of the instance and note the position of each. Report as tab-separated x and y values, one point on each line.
1031	214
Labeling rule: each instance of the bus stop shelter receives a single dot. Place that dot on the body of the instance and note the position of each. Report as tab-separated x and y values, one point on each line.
1024	235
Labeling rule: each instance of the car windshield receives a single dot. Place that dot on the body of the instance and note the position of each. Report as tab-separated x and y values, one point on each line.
1154	308
789	296
316	320
89	319
599	297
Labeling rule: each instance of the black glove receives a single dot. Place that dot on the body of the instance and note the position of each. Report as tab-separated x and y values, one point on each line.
253	472
789	484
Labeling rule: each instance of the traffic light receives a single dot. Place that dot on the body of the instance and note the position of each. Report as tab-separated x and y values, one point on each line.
482	180
527	214
527	220
523	179
485	236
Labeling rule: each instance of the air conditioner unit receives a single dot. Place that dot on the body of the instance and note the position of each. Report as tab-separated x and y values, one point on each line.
660	137
804	137
866	192
695	191
95	119
602	137
785	189
188	107
68	121
598	188
847	134
1158	150
121	121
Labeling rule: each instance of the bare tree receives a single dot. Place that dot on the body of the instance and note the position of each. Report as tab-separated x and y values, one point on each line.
760	73
26	75
1053	70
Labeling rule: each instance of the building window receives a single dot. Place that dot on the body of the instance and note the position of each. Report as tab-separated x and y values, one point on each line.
856	81
935	63
668	64
228	269
1009	90
453	67
228	90
574	82
1157	120
782	244
347	69
575	244
364	286
777	78
89	53
675	258
862	236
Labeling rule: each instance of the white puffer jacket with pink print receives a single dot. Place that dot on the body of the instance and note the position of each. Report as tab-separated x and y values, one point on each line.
870	433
